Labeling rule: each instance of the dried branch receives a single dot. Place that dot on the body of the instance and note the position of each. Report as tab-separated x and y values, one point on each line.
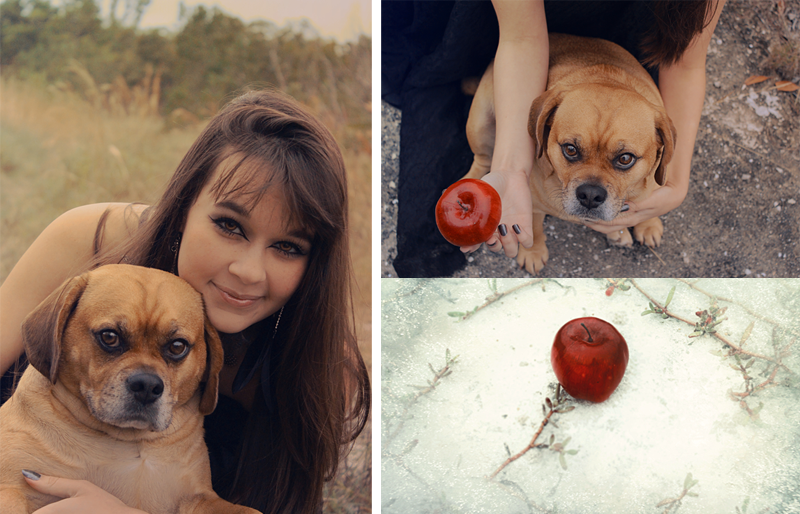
750	311
736	348
552	408
423	390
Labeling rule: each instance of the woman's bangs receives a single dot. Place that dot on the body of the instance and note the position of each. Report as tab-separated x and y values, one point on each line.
248	179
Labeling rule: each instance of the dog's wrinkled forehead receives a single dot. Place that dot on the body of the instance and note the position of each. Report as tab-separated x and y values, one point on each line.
625	120
127	292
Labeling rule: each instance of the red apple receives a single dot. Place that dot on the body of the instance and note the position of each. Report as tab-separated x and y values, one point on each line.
468	212
589	357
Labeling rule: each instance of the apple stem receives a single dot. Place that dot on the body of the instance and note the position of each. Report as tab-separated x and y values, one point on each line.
464	207
587	331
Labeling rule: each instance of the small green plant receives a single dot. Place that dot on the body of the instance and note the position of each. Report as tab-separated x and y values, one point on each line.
560	448
709	319
674	503
657	309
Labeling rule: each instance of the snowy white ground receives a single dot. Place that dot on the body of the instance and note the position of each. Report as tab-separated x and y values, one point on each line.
671	415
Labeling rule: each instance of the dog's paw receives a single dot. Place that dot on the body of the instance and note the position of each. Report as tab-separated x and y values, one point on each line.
649	232
532	259
621	238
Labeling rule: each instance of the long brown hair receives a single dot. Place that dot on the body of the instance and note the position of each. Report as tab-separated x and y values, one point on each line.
315	396
675	24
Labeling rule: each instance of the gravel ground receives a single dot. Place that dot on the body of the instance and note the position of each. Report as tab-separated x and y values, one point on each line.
741	216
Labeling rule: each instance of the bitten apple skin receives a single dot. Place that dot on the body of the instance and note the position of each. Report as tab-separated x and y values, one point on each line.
589	357
468	212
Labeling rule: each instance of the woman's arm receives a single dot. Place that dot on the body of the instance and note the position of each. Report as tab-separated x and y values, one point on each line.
683	88
61	251
520	75
80	496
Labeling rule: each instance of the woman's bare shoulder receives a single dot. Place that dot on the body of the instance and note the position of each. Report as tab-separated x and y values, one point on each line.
79	225
71	237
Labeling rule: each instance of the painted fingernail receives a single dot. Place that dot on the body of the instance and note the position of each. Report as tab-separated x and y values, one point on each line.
516	228
625	208
31	475
491	244
502	229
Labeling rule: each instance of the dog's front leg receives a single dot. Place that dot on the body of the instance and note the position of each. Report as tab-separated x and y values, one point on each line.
649	232
620	238
534	258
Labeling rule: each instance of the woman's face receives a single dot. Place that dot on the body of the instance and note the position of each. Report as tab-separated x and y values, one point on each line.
245	264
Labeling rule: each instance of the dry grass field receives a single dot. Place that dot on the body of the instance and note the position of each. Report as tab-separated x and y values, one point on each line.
59	150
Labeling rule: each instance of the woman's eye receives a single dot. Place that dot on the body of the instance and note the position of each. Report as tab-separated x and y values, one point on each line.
178	348
626	160
288	248
229	226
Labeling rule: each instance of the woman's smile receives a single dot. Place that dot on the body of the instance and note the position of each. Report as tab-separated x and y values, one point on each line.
236	299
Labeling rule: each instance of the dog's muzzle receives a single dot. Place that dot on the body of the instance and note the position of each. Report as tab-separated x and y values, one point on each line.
589	201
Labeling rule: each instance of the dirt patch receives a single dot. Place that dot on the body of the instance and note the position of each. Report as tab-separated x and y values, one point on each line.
741	216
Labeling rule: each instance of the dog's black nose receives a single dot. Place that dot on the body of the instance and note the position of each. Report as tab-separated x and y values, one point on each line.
145	387
590	195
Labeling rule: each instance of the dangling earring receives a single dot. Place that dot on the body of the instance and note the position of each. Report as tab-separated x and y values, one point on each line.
277	323
174	248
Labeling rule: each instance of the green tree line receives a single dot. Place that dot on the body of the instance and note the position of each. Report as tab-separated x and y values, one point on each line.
204	63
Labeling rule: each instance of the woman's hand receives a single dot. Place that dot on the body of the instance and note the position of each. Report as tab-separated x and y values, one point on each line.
80	496
516	219
661	201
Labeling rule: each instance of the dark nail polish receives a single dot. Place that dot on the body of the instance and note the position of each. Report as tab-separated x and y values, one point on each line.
502	229
625	208
516	228
491	244
31	475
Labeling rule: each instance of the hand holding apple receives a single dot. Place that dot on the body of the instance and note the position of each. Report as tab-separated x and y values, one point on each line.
589	357
468	212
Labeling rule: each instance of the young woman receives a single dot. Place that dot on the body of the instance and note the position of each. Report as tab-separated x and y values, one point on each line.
255	218
430	46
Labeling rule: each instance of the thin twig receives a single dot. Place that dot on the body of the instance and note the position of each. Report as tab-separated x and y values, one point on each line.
554	408
750	311
526	449
658	256
437	375
497	295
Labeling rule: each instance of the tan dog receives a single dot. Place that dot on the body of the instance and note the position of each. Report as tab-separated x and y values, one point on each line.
601	137
123	367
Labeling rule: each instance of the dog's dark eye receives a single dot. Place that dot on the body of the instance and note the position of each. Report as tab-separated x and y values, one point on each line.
177	349
109	339
626	160
570	152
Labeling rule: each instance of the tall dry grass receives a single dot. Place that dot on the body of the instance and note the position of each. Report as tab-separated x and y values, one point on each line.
61	149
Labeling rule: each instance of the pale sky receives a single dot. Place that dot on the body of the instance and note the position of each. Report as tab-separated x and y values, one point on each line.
333	18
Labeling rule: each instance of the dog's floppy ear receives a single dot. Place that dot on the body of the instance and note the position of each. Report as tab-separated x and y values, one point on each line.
666	135
43	329
541	117
214	361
